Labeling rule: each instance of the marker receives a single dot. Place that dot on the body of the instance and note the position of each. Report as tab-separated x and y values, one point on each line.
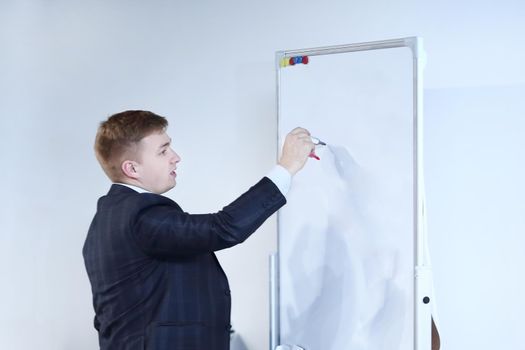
316	142
313	155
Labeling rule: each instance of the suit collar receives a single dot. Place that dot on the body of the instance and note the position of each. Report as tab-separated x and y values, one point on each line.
135	188
120	189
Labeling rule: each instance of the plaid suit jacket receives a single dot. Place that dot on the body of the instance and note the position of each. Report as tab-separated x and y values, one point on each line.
155	279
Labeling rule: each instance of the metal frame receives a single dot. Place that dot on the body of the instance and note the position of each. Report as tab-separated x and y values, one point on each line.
422	272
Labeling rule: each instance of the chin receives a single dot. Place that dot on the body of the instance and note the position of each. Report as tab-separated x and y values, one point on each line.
166	189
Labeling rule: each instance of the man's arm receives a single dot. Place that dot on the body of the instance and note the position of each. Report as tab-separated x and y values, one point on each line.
162	229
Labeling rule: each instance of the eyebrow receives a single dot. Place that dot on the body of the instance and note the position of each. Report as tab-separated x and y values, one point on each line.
165	145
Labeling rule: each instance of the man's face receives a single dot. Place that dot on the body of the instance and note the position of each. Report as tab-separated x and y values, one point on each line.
157	163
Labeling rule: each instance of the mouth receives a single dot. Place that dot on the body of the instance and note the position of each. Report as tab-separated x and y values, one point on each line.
173	173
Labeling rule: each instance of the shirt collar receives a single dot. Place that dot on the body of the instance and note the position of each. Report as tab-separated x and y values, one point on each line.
135	188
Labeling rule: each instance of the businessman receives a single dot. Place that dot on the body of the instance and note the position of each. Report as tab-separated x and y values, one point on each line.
155	279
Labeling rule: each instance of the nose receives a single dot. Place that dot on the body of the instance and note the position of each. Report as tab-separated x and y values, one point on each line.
175	158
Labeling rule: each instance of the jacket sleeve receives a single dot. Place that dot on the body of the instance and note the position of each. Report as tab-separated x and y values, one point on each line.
162	229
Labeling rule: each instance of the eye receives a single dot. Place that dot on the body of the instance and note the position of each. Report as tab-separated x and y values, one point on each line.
164	151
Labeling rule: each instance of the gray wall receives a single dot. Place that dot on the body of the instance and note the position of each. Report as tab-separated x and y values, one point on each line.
208	66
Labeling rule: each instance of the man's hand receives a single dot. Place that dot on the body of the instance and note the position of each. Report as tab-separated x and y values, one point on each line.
297	147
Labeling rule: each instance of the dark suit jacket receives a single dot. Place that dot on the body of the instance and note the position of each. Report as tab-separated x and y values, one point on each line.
155	280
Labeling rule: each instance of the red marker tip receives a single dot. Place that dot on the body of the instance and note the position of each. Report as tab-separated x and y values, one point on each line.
313	155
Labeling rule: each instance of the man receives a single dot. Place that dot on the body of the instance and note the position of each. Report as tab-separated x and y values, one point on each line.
156	281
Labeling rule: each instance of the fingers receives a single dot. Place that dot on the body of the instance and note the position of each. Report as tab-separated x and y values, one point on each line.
299	131
301	134
298	145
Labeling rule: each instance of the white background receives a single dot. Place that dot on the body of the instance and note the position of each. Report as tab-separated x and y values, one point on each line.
209	67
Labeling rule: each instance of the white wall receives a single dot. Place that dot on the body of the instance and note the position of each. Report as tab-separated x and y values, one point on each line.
475	142
208	66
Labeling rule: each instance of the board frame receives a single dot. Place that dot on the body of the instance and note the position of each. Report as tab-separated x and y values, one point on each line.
422	271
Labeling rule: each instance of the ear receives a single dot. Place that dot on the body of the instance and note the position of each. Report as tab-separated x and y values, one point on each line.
130	169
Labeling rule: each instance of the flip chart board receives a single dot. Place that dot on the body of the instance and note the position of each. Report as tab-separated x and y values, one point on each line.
348	237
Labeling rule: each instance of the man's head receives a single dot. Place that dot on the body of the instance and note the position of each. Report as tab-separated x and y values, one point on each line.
133	148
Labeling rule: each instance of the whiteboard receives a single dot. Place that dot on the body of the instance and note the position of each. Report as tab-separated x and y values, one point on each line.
347	238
